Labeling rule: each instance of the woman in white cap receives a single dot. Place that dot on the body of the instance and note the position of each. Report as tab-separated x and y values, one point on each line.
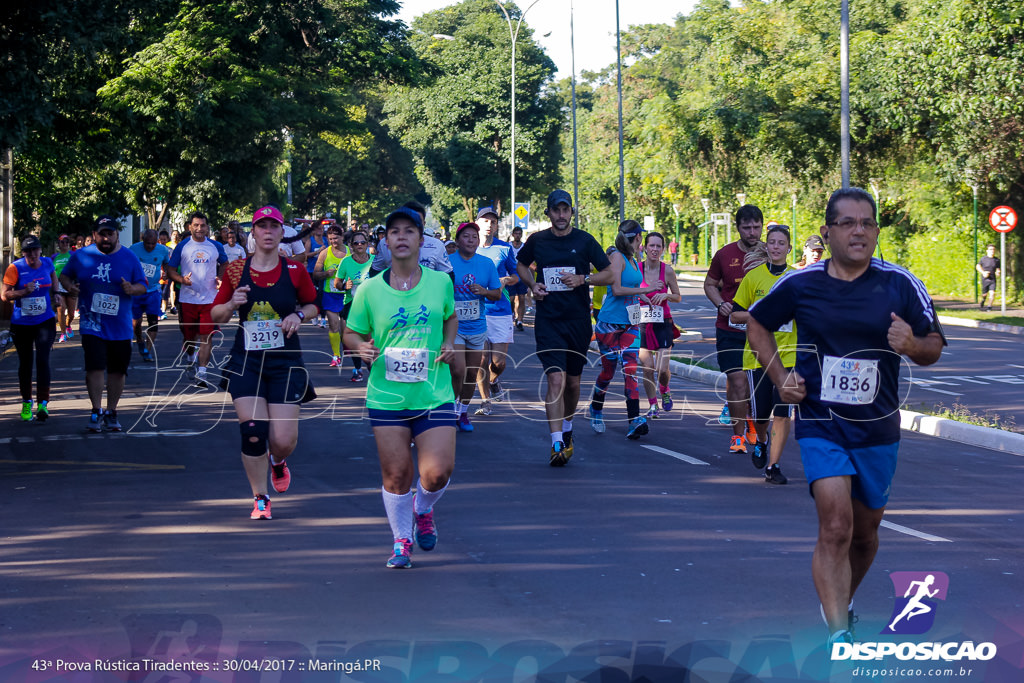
264	373
27	284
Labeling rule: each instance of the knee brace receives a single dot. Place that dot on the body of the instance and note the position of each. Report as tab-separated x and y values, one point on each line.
255	434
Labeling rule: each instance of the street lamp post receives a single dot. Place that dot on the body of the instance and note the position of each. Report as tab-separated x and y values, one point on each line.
878	220
706	203
793	226
972	178
575	152
514	35
622	163
675	210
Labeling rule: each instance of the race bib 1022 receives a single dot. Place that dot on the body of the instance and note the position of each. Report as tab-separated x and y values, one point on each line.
105	304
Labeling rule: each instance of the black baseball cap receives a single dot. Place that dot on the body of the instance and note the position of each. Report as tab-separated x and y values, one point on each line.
814	242
107	223
31	242
559	197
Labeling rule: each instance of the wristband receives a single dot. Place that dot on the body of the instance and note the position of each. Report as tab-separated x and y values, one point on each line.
302	316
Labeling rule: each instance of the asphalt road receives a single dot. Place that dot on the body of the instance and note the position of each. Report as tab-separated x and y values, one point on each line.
666	559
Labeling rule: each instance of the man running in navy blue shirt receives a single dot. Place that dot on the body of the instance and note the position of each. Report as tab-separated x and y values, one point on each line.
856	317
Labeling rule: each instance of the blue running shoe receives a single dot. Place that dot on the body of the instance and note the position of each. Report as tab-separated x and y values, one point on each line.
724	418
637	428
596	420
666	401
401	557
95	425
425	531
463	423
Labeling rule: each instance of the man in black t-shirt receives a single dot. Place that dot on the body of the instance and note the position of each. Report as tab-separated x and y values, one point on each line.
990	269
564	257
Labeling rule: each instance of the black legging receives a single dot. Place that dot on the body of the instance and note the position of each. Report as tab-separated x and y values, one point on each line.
40	337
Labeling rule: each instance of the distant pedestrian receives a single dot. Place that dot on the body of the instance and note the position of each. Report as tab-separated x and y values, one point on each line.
814	248
990	269
673	250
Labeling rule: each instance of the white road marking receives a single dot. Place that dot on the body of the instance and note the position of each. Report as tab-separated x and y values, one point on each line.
678	456
914	532
940	391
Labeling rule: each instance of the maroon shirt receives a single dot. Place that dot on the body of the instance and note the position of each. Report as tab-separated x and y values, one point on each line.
727	267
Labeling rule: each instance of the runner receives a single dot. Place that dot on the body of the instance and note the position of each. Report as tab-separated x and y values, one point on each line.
155	260
657	331
860	315
519	291
813	250
432	252
617	329
232	249
476	283
201	260
315	243
64	303
353	271
564	257
498	314
407	316
767	264
28	283
990	269
264	373
723	278
332	299
107	276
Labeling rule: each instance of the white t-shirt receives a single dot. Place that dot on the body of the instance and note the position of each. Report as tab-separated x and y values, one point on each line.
234	252
432	255
200	259
286	250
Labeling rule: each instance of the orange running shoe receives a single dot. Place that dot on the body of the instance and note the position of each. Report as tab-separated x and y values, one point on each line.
737	444
261	508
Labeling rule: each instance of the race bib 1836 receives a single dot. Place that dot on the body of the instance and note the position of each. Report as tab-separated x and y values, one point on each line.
851	381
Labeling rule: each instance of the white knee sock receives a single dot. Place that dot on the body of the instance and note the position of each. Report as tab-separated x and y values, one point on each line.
399	509
425	500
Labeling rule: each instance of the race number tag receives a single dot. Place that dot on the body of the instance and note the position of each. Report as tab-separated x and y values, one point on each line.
467	310
788	327
405	365
851	381
261	335
553	278
105	304
738	326
35	305
149	269
633	313
652	314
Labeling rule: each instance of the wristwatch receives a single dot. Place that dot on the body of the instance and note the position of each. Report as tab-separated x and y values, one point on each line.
302	316
586	279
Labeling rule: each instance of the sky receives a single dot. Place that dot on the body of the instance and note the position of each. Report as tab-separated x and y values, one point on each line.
594	24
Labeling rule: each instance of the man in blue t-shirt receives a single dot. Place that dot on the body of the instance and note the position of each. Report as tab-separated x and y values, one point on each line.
856	316
498	313
105	277
154	258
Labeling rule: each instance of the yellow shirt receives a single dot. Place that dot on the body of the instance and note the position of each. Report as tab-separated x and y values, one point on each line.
755	286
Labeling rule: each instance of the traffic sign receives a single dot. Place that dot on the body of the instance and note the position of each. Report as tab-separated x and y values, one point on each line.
1002	219
521	215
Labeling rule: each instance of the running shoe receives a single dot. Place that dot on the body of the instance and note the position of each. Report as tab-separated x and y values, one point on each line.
26	411
335	361
637	428
163	315
773	475
760	455
147	356
653	412
558	455
71	333
497	392
110	421
751	432
201	381
666	401
42	411
280	476
190	358
484	409
519	326
596	420
356	376
843	636
570	445
724	418
851	619
401	557
737	444
425	531
62	338
95	425
174	310
260	508
464	424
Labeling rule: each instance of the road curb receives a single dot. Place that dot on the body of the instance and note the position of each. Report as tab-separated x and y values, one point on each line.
970	322
930	425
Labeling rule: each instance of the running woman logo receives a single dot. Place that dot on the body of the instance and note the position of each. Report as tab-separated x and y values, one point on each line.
914	612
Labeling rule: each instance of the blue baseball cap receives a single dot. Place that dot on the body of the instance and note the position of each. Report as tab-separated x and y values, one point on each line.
559	197
404	212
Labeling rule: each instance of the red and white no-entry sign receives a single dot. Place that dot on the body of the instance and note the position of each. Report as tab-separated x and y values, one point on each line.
1002	219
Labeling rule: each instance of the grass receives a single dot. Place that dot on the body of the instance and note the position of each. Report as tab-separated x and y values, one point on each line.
975	314
961	413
